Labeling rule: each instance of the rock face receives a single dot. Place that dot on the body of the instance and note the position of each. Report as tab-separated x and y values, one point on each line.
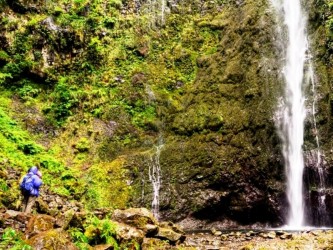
221	161
202	82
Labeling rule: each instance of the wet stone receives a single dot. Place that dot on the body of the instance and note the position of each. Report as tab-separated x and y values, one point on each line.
271	235
263	235
279	233
250	233
224	237
315	233
217	233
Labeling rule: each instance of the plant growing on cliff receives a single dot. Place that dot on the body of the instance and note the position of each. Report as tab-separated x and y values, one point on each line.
101	232
63	102
106	186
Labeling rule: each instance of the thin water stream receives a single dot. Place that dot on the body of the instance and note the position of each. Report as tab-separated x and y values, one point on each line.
155	178
321	219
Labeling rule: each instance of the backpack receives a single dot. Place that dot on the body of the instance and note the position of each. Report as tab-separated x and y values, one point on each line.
27	185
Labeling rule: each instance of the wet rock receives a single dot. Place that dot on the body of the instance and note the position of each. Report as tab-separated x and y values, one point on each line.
271	235
216	232
171	225
263	235
238	234
52	239
250	233
170	235
285	236
279	233
224	237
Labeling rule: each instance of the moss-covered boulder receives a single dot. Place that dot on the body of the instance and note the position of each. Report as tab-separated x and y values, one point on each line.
55	239
140	218
40	223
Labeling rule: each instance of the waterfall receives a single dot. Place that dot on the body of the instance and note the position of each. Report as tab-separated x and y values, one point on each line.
157	9
292	111
155	178
154	170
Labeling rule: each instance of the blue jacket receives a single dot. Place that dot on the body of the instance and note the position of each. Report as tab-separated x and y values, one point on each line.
36	181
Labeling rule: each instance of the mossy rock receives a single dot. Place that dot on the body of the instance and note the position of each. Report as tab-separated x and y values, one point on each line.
55	239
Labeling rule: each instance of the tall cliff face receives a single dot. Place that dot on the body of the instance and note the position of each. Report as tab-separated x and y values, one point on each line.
221	159
320	37
99	84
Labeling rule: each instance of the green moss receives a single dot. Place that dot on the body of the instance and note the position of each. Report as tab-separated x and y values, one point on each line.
107	185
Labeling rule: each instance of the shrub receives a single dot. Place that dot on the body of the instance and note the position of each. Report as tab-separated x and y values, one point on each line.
13	240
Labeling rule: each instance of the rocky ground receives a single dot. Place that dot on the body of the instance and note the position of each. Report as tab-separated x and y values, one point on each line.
136	227
270	240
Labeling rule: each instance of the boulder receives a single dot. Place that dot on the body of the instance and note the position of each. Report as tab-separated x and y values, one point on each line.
78	220
170	235
126	233
173	226
39	223
63	220
56	239
140	218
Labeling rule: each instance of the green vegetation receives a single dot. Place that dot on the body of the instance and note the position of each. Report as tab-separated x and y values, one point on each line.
78	65
89	87
11	239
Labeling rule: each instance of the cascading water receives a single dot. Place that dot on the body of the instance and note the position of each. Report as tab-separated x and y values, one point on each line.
157	9
154	170
320	218
155	179
292	111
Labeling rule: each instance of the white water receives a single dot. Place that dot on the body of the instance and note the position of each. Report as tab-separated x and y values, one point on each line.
155	179
157	10
292	111
318	164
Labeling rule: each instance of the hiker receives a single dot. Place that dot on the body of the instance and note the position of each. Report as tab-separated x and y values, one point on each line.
30	188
